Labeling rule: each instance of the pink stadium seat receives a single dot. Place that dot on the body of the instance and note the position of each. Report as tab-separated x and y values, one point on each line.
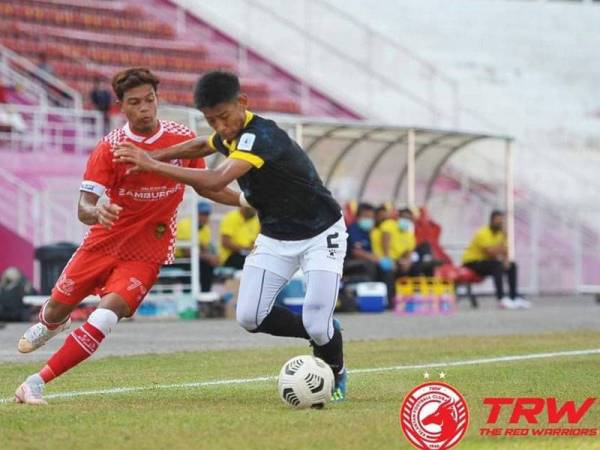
83	41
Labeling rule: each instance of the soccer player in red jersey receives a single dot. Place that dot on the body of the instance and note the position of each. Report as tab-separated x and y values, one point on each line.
131	234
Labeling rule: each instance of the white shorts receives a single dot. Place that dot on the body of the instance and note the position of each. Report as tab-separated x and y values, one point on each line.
326	251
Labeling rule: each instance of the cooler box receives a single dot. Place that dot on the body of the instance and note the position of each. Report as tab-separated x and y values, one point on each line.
294	304
371	297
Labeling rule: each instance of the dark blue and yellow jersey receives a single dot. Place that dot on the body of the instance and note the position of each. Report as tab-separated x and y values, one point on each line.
283	185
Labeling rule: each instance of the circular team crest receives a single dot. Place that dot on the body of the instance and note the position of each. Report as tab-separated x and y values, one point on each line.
434	416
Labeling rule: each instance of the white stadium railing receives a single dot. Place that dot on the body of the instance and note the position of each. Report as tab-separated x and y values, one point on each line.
47	129
33	215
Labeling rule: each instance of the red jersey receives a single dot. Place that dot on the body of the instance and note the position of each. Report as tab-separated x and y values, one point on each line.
146	227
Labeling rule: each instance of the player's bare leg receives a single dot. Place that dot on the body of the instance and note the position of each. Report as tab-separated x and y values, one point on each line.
54	318
78	346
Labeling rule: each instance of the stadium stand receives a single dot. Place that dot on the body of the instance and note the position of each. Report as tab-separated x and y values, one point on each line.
84	40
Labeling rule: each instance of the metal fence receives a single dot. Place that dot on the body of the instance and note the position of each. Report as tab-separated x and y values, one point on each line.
47	129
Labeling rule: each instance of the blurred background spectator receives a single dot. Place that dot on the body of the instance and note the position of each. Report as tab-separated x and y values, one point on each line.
13	287
101	99
208	255
361	263
487	255
238	231
414	259
394	239
380	234
43	63
360	259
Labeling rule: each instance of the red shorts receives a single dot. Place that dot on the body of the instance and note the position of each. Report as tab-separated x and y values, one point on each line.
89	273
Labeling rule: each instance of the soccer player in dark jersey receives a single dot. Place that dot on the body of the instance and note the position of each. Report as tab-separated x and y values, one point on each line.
301	223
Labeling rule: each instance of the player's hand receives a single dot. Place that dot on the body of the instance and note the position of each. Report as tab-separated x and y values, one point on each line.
108	213
126	152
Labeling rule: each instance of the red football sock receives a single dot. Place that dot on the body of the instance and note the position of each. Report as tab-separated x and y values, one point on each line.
78	346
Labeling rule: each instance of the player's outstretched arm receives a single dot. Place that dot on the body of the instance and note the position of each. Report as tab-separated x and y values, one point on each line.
90	213
226	196
194	148
199	179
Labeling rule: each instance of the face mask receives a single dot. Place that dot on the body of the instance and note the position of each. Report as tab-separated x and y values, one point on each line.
405	224
366	224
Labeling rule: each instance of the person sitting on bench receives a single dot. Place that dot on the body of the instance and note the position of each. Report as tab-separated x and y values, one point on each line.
238	231
487	255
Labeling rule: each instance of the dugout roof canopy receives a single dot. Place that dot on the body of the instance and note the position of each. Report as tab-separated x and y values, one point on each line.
368	161
375	162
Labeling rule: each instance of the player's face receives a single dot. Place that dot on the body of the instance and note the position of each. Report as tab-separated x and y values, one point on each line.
140	105
227	118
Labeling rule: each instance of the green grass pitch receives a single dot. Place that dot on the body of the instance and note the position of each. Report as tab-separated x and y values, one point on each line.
251	415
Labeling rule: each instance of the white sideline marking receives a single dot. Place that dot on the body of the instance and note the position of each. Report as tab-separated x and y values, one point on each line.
199	384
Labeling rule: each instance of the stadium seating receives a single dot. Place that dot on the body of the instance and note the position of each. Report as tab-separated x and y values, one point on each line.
128	20
83	41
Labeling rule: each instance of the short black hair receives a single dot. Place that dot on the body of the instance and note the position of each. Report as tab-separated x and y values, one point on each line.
217	86
381	208
362	207
405	210
495	213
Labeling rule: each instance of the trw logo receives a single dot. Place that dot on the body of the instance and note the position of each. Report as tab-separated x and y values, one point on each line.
530	408
523	412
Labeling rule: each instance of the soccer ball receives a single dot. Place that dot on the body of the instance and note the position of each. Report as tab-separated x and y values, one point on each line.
305	382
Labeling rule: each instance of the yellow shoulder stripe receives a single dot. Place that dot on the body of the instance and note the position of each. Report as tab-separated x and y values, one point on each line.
248	116
256	161
211	143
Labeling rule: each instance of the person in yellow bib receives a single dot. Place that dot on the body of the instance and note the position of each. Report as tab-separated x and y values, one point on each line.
381	237
487	255
238	231
208	256
404	244
396	240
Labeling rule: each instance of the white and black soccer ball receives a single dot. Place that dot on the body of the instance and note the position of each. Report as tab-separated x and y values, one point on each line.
306	382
